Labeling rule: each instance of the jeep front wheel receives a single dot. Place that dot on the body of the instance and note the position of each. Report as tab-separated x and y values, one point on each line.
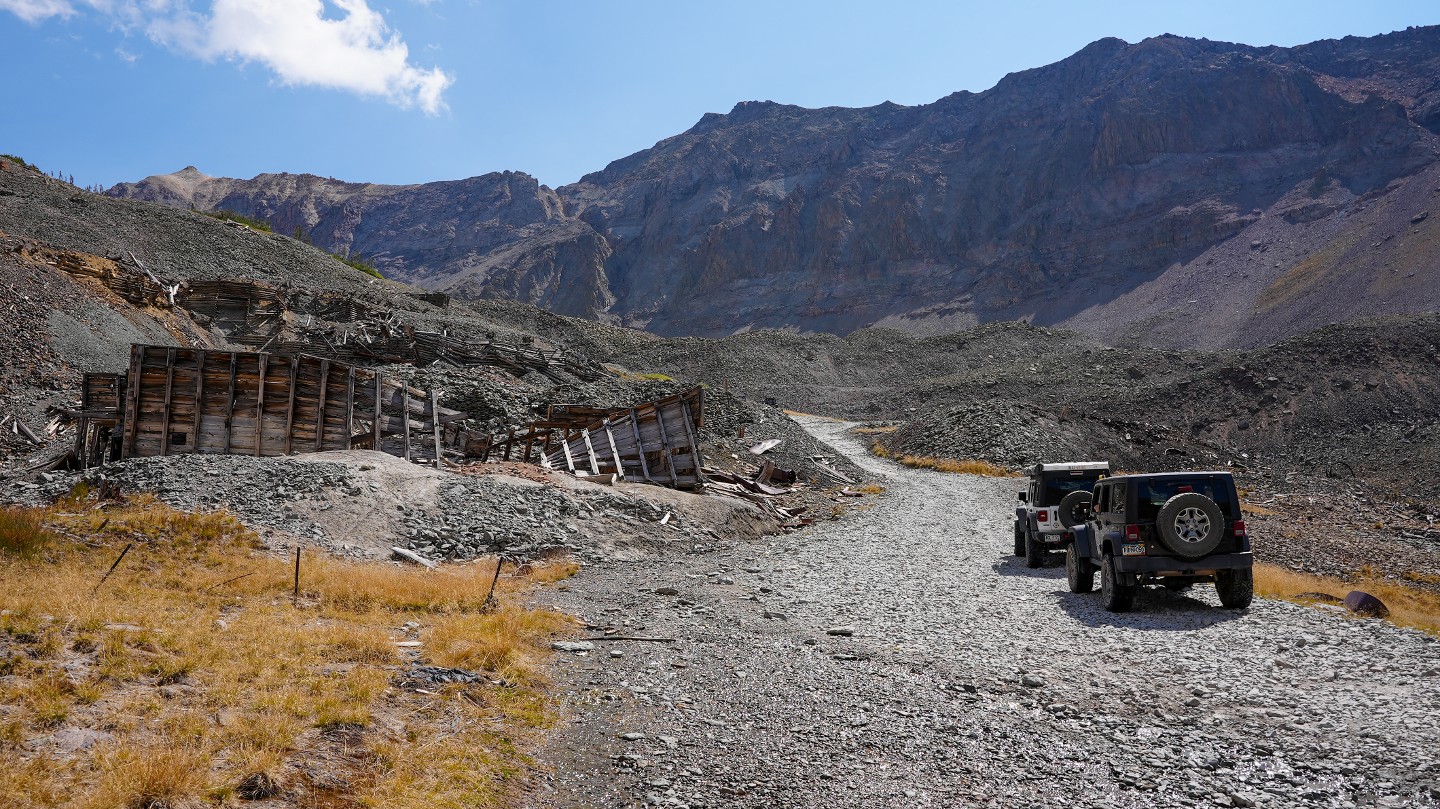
1079	573
1034	551
1190	525
1117	597
1235	587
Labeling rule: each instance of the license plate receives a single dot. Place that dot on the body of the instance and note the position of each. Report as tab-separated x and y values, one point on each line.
1133	550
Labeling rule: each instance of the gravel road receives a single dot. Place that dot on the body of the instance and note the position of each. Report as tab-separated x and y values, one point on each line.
969	680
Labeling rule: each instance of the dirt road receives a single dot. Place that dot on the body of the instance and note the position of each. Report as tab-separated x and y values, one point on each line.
903	658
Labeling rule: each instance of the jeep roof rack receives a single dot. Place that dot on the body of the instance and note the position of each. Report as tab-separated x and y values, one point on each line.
1080	466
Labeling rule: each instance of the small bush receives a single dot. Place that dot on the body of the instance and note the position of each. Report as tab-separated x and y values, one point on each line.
231	216
21	534
18	160
357	264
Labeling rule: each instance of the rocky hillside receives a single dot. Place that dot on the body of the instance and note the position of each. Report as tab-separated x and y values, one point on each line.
1184	192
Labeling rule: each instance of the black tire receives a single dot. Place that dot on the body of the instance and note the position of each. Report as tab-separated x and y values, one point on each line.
1079	572
1034	551
1019	540
1236	588
1190	525
1117	597
1074	509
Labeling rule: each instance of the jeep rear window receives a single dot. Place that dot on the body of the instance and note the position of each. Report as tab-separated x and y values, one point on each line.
1150	495
1057	487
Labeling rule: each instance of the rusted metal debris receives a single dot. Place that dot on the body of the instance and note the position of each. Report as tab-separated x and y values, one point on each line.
192	400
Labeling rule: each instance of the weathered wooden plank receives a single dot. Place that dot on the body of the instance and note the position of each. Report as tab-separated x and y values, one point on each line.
290	403
260	405
590	451
320	408
230	401
435	409
569	459
614	452
201	357
379	389
404	412
349	407
665	439
690	435
639	446
165	406
132	401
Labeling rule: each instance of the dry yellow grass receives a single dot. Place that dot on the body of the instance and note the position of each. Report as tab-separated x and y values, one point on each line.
874	430
870	488
950	465
206	678
1415	607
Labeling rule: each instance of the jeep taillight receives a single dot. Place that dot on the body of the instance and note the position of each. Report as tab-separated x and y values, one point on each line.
1042	516
1132	533
1240	529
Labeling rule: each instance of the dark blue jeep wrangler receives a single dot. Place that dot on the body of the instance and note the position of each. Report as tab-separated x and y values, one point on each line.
1170	528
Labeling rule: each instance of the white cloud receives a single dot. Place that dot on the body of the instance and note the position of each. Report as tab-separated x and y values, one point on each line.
353	50
37	10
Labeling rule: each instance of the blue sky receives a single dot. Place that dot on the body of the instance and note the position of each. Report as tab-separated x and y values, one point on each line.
400	91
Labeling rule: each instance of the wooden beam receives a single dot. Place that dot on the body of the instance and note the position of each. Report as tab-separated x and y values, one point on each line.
260	405
665	446
230	402
379	386
590	448
509	441
690	434
349	407
132	401
320	411
199	397
640	447
165	405
435	421
290	405
405	415
614	453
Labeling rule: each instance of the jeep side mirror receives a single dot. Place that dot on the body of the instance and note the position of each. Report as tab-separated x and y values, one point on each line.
1022	497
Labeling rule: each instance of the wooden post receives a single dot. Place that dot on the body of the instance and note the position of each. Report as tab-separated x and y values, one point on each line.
435	422
132	404
165	406
350	407
202	355
297	574
590	448
320	411
260	405
230	402
290	406
379	386
690	434
405	415
665	443
614	453
509	441
640	447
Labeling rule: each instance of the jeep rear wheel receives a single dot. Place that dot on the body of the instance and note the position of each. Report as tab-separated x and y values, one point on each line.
1019	540
1079	573
1236	588
1190	525
1117	597
1034	551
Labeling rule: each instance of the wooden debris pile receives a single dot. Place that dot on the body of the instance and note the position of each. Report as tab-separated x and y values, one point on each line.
654	441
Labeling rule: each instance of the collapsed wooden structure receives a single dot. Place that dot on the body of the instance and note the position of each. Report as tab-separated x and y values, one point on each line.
656	441
193	400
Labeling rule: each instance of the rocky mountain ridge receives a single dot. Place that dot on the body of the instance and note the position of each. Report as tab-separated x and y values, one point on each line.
1107	192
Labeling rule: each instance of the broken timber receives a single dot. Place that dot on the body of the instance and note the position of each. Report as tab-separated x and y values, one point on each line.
655	441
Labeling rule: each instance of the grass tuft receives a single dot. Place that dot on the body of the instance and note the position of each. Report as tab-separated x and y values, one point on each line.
949	465
207	693
1411	606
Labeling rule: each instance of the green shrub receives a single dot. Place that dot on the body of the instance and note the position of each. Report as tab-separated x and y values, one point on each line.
242	219
358	264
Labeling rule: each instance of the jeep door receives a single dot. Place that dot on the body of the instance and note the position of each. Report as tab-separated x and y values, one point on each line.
1111	517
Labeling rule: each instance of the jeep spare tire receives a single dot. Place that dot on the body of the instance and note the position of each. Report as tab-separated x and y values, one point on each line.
1190	525
1074	508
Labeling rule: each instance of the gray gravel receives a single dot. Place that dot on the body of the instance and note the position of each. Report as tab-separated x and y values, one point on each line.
970	680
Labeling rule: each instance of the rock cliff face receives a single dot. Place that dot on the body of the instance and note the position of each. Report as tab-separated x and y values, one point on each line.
1109	191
